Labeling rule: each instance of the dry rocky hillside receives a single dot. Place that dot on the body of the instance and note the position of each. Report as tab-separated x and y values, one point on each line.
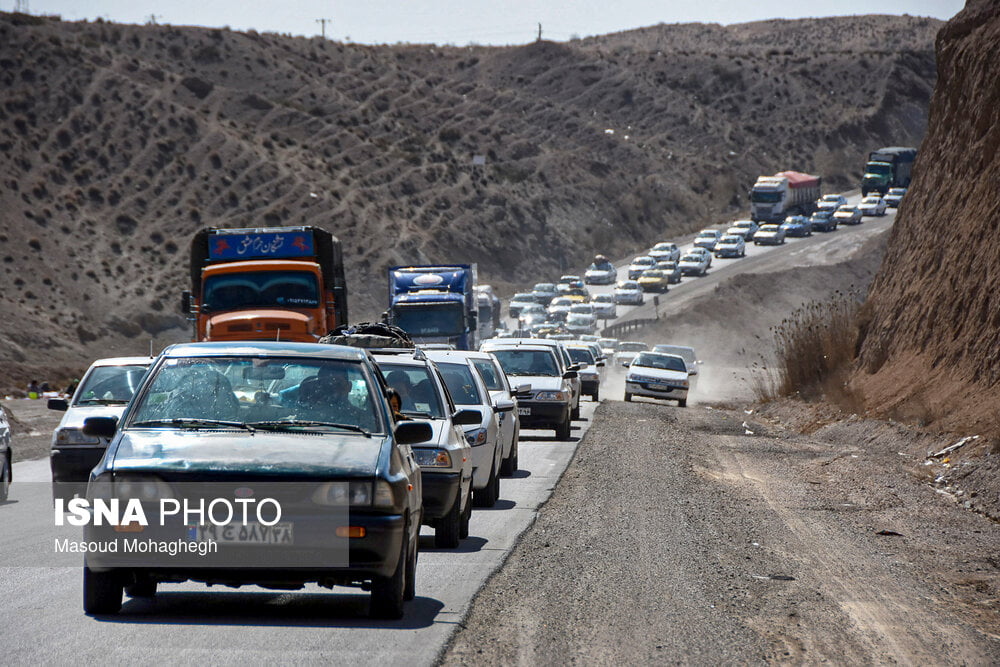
117	142
930	350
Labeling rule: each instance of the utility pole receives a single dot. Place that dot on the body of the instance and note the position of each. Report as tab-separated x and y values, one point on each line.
539	32
21	7
322	23
151	19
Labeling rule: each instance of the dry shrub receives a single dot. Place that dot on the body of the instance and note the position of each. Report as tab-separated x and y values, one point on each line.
814	353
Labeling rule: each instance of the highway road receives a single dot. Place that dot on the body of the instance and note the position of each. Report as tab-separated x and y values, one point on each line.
42	608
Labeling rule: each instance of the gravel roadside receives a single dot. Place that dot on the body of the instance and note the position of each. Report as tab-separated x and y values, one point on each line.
677	536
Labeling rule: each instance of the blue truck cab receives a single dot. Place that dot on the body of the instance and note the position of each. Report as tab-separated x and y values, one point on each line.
435	304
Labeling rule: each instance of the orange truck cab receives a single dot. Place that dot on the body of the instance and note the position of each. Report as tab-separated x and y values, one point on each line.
276	283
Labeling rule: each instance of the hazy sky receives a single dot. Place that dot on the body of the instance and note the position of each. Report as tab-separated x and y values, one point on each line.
463	22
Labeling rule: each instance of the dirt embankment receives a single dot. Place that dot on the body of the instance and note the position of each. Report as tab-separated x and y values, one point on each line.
117	142
930	352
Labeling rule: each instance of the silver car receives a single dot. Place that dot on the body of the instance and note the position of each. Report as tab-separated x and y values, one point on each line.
656	375
769	235
848	215
693	264
707	239
628	292
744	228
604	307
731	245
638	265
665	251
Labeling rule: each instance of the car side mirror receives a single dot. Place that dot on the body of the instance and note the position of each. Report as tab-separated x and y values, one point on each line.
626	364
467	417
60	404
504	405
693	371
575	367
523	391
100	427
411	432
186	301
570	375
600	364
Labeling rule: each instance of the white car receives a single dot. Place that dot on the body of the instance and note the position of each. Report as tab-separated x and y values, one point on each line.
657	375
583	355
894	196
581	309
627	351
601	274
468	391
559	307
581	324
731	245
707	239
604	307
693	264
744	228
848	215
519	301
628	292
665	251
686	353
703	252
873	205
104	391
446	459
769	235
830	202
532	313
640	264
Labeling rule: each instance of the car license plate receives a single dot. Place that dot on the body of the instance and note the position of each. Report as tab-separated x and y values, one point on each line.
526	412
252	533
660	387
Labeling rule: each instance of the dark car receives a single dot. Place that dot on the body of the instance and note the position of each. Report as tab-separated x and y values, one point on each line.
305	426
544	293
823	220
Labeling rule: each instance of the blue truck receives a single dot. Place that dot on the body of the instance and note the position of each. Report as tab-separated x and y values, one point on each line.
435	304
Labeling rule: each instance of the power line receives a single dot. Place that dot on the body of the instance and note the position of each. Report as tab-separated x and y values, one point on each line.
21	7
322	23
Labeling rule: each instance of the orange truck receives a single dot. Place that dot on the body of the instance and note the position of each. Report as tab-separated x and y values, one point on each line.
275	283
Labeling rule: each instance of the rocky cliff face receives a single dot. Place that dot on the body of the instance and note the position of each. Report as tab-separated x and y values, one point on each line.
931	349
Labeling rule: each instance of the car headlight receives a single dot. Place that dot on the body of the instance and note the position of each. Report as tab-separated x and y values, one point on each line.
551	396
354	494
141	487
476	437
432	458
74	436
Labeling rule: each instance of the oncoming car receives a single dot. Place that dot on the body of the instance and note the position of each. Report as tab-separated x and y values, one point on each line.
306	425
707	239
656	375
769	235
873	205
628	292
848	215
731	245
797	225
640	264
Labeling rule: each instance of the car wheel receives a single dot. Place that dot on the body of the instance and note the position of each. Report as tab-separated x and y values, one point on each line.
628	397
596	396
102	592
410	586
563	430
488	496
446	532
388	592
463	527
575	415
4	478
509	465
142	588
682	402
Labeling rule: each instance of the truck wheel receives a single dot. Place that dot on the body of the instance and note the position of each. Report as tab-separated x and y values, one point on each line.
388	592
562	431
102	592
446	532
463	526
628	397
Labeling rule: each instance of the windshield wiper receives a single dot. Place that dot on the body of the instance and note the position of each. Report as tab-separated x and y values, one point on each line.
422	415
103	401
278	424
191	421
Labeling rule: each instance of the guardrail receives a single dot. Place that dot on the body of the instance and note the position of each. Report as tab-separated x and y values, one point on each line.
616	330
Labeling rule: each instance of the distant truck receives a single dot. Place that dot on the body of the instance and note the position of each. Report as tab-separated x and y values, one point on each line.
886	168
436	304
773	198
274	283
489	311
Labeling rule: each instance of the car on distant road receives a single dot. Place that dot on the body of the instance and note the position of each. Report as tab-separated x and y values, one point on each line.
532	313
670	268
583	355
797	225
568	282
640	264
608	346
894	196
627	350
581	324
519	301
604	306
628	292
656	375
707	239
6	455
823	221
830	202
469	392
654	280
312	423
104	391
559	307
873	206
544	293
707	254
577	294
744	228
848	215
731	245
445	459
665	251
601	272
550	404
581	309
693	264
771	234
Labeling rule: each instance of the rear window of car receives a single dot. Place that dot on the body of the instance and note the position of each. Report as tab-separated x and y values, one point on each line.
107	385
416	389
527	362
580	355
461	384
489	373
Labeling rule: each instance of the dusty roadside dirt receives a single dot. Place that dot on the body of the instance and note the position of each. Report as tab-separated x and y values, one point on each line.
677	536
32	424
